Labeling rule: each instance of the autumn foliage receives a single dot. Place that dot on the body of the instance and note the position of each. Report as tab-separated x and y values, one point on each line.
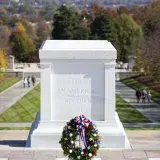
22	44
96	10
3	62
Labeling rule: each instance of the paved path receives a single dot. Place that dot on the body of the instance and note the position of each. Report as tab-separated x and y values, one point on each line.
135	125
145	145
18	124
151	111
12	95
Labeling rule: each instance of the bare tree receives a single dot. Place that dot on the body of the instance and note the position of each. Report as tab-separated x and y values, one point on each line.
150	51
4	37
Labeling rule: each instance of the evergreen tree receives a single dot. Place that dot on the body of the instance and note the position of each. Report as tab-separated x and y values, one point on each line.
104	28
67	25
82	33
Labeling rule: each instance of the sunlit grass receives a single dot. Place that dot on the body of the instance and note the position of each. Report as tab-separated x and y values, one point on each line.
7	82
25	109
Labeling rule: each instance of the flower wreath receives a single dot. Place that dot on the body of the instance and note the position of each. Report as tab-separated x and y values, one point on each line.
89	140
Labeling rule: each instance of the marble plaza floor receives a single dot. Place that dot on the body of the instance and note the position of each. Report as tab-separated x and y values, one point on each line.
145	146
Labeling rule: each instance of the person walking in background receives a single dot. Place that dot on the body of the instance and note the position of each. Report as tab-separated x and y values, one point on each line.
24	82
29	81
138	95
144	95
33	80
149	97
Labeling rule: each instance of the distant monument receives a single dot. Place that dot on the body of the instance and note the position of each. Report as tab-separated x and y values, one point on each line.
132	62
10	64
77	78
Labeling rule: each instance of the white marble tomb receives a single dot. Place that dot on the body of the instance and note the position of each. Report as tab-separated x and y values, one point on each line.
77	77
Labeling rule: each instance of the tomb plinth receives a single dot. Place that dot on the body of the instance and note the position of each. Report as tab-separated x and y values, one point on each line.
77	78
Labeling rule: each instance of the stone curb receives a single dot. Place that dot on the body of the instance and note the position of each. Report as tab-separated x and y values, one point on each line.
15	124
139	125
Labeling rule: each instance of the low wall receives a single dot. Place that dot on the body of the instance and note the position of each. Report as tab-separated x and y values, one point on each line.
123	75
16	74
36	74
22	74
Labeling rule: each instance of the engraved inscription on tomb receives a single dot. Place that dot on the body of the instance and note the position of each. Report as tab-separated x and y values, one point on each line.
74	91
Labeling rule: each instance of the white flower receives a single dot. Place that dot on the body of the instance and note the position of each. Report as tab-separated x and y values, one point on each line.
95	145
66	139
69	127
90	154
72	142
70	151
82	153
88	147
78	157
90	139
70	134
95	135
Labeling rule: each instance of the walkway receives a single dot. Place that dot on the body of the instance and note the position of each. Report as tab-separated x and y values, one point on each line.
12	95
145	145
151	111
133	125
18	124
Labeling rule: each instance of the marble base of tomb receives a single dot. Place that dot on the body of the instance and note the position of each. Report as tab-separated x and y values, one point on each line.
48	134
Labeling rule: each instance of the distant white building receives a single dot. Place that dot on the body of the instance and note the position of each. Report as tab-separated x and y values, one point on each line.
81	3
5	2
110	3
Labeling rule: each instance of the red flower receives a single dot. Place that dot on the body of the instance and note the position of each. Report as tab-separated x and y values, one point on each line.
94	152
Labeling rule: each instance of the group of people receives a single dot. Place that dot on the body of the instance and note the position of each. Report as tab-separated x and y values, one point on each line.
144	95
28	80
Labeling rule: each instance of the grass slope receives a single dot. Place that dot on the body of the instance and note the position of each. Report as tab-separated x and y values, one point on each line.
127	113
135	84
26	108
7	81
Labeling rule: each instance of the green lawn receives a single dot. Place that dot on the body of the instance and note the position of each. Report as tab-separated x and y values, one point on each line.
135	84
127	113
15	128
7	82
26	109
